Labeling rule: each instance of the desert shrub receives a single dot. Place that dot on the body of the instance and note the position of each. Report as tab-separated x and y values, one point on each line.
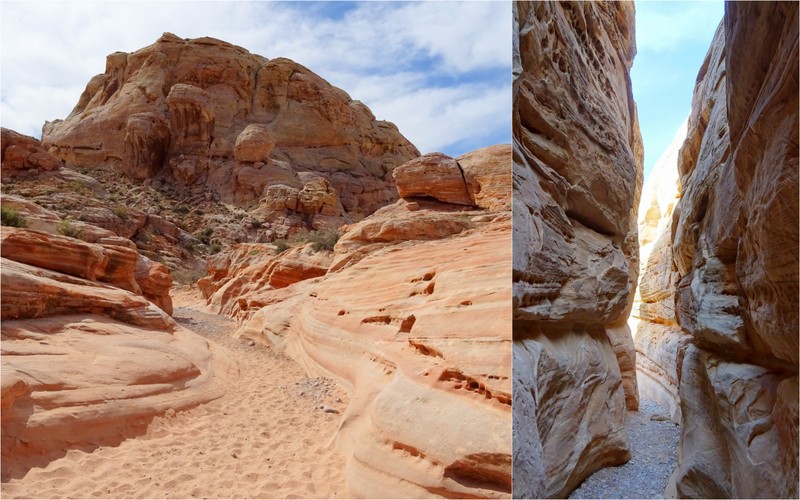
323	239
11	217
121	211
257	223
281	245
77	186
66	228
188	276
204	235
180	209
215	247
143	236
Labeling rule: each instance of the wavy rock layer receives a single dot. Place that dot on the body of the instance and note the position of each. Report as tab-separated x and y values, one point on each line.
577	178
86	360
724	267
413	317
207	113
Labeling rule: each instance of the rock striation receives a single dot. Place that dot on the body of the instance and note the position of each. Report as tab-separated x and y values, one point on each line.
411	313
577	181
86	359
726	265
211	115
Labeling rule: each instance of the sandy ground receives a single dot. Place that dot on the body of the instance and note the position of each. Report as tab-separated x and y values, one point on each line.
266	438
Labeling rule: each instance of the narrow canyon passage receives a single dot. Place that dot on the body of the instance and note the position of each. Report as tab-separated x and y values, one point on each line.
266	438
653	440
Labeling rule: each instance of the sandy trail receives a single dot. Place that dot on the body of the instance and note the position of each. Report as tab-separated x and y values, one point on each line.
266	438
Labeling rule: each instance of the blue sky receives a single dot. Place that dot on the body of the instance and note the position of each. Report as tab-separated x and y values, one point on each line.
672	39
441	71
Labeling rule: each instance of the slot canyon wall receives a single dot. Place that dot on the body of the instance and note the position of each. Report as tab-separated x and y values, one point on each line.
577	181
717	320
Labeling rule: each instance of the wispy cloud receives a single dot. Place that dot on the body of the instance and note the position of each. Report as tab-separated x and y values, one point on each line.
439	70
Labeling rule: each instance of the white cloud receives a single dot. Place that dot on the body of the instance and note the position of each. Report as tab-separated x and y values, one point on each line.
429	67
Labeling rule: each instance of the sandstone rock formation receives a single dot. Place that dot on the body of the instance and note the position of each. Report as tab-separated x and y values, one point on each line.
86	360
660	341
210	115
729	263
21	153
577	180
412	315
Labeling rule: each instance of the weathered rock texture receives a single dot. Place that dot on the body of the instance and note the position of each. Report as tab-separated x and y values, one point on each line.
86	360
210	114
577	180
729	263
23	155
660	341
412	315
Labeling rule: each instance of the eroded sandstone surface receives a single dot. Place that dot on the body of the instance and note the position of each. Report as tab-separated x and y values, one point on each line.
87	359
411	312
577	180
718	330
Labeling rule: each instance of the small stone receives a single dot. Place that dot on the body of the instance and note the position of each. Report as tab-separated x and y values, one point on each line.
234	455
251	343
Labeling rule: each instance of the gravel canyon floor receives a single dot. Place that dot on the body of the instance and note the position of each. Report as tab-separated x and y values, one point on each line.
654	441
266	438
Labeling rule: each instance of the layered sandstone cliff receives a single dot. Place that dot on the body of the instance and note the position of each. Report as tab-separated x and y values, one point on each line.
86	358
724	268
577	179
254	132
659	340
412	315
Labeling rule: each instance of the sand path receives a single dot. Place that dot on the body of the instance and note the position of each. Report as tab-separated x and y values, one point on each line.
266	438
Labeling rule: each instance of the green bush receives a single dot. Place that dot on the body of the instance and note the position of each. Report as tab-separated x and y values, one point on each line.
281	245
121	211
77	186
215	247
205	235
323	239
66	228
11	217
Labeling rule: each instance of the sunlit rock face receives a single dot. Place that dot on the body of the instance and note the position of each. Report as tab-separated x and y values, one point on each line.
87	359
718	316
214	117
411	312
659	340
577	180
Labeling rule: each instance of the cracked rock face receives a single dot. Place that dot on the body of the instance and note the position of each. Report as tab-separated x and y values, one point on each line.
717	329
199	111
577	179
